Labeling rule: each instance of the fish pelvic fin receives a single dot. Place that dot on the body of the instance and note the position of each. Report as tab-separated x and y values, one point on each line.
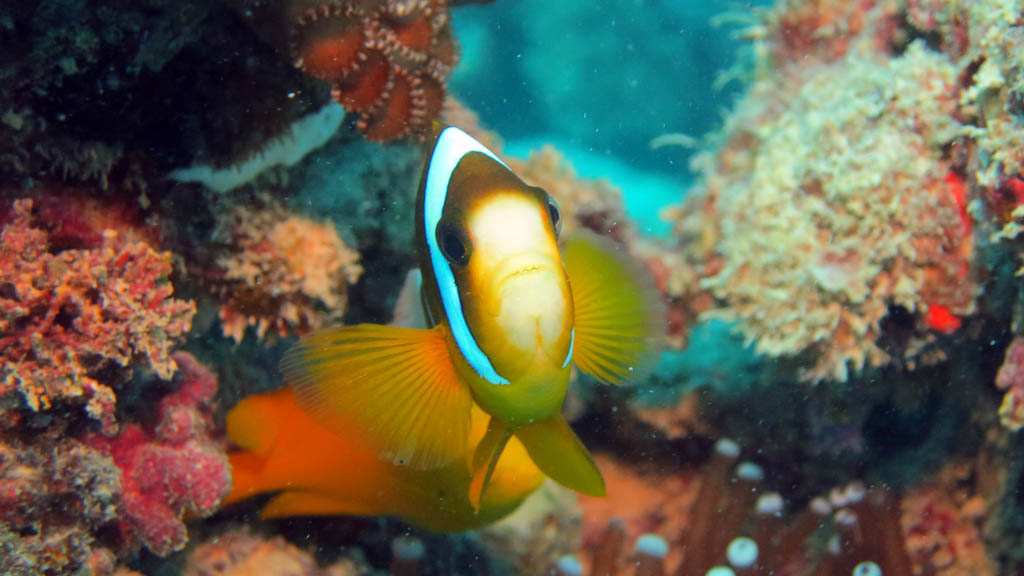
485	460
620	316
398	385
558	452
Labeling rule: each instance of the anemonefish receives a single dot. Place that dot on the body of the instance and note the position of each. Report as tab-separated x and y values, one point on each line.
509	310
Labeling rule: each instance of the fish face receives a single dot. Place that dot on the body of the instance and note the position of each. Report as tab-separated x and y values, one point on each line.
523	308
498	279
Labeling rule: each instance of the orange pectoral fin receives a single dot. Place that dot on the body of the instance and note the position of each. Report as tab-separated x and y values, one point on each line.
620	317
558	452
396	384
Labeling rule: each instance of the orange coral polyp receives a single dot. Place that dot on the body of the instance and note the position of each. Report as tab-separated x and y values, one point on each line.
362	47
393	119
416	35
363	89
331	56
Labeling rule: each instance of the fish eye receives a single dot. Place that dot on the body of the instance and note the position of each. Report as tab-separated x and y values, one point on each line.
556	215
453	243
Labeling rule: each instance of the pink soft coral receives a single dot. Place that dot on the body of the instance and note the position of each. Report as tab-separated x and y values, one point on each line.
173	468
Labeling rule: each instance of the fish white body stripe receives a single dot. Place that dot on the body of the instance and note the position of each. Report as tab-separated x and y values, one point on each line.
452	145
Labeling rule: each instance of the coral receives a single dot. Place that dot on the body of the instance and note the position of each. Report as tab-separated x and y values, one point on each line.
829	204
1011	379
280	270
543	528
240	553
942	525
68	315
56	493
387	60
171	469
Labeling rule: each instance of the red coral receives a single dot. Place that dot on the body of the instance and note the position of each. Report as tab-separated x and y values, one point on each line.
387	60
65	316
172	469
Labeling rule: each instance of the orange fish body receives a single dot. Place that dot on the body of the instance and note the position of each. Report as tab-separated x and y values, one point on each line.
313	471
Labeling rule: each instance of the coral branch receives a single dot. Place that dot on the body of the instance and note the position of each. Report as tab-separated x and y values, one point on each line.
65	316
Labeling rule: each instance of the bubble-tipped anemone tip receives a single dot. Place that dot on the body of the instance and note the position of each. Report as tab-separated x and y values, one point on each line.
570	566
821	506
728	448
769	504
652	545
867	569
742	552
750	472
408	548
720	571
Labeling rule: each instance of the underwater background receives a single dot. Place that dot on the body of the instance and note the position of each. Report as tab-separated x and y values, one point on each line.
826	196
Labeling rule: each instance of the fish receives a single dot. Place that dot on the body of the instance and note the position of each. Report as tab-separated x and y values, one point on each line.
510	307
313	471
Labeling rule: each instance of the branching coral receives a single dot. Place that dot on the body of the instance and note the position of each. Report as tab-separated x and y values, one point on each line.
280	270
65	316
830	203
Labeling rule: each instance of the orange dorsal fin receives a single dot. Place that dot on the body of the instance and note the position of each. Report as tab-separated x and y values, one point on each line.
620	317
398	385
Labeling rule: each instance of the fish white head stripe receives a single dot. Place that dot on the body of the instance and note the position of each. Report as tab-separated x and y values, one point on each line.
452	145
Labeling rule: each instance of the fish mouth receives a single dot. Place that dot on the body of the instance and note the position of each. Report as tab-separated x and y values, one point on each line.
525	270
526	265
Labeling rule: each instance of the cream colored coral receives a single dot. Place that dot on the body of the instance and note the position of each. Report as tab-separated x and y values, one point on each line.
282	271
840	209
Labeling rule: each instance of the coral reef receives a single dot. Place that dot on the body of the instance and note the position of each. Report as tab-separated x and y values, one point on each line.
1011	379
172	468
831	202
68	315
73	502
728	517
240	552
280	271
56	494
